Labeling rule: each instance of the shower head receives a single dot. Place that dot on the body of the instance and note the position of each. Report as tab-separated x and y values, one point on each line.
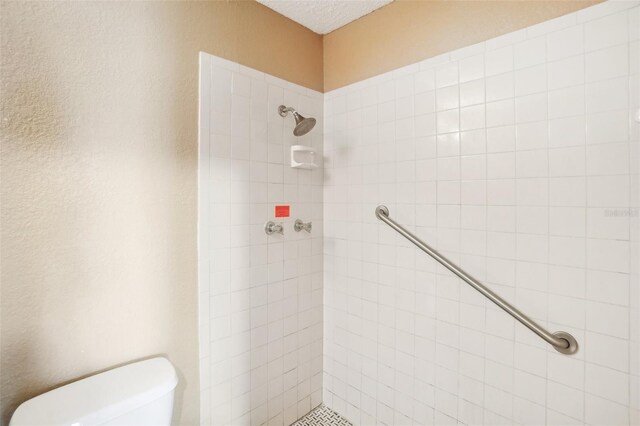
303	124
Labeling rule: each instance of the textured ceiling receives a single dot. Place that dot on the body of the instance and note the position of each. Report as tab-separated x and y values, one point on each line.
324	16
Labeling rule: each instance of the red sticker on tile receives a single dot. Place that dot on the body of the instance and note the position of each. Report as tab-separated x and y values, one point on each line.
282	211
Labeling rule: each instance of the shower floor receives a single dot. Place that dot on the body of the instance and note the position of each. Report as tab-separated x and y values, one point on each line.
322	415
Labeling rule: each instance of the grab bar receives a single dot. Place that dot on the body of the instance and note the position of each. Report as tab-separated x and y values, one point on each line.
562	341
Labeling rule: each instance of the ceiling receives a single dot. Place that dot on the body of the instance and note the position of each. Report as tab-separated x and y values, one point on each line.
324	16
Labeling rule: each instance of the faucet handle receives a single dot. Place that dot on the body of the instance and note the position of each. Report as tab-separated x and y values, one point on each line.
300	225
273	228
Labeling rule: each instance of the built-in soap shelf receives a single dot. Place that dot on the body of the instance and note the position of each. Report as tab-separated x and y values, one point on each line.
303	157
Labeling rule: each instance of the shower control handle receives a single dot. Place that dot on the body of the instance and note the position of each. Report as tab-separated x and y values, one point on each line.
300	225
273	228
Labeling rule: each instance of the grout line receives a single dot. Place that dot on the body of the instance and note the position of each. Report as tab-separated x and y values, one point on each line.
630	239
486	227
586	225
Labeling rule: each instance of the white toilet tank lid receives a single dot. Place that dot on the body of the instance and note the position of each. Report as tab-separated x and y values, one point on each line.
101	397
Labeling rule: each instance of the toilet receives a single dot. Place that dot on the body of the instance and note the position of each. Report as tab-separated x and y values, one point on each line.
141	393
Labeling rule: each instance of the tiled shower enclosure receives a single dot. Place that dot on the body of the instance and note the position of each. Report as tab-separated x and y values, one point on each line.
517	158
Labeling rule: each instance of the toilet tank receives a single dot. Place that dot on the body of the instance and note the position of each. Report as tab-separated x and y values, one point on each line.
136	394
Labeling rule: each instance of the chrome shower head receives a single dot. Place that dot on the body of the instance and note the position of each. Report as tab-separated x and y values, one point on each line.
303	124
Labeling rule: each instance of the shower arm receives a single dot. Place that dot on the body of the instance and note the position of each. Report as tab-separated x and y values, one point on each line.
561	341
283	110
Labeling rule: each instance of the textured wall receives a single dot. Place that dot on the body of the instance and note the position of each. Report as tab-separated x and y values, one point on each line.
99	137
415	30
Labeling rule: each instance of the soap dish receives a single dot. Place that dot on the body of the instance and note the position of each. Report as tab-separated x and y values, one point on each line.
302	157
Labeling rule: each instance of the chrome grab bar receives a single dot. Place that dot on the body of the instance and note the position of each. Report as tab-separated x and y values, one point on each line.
562	341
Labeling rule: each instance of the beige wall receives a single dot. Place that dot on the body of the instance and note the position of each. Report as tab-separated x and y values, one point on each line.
408	31
99	146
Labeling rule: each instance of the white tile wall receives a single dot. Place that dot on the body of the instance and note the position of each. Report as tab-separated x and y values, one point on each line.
518	160
260	297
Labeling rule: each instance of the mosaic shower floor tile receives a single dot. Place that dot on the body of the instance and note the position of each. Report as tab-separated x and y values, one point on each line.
322	416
